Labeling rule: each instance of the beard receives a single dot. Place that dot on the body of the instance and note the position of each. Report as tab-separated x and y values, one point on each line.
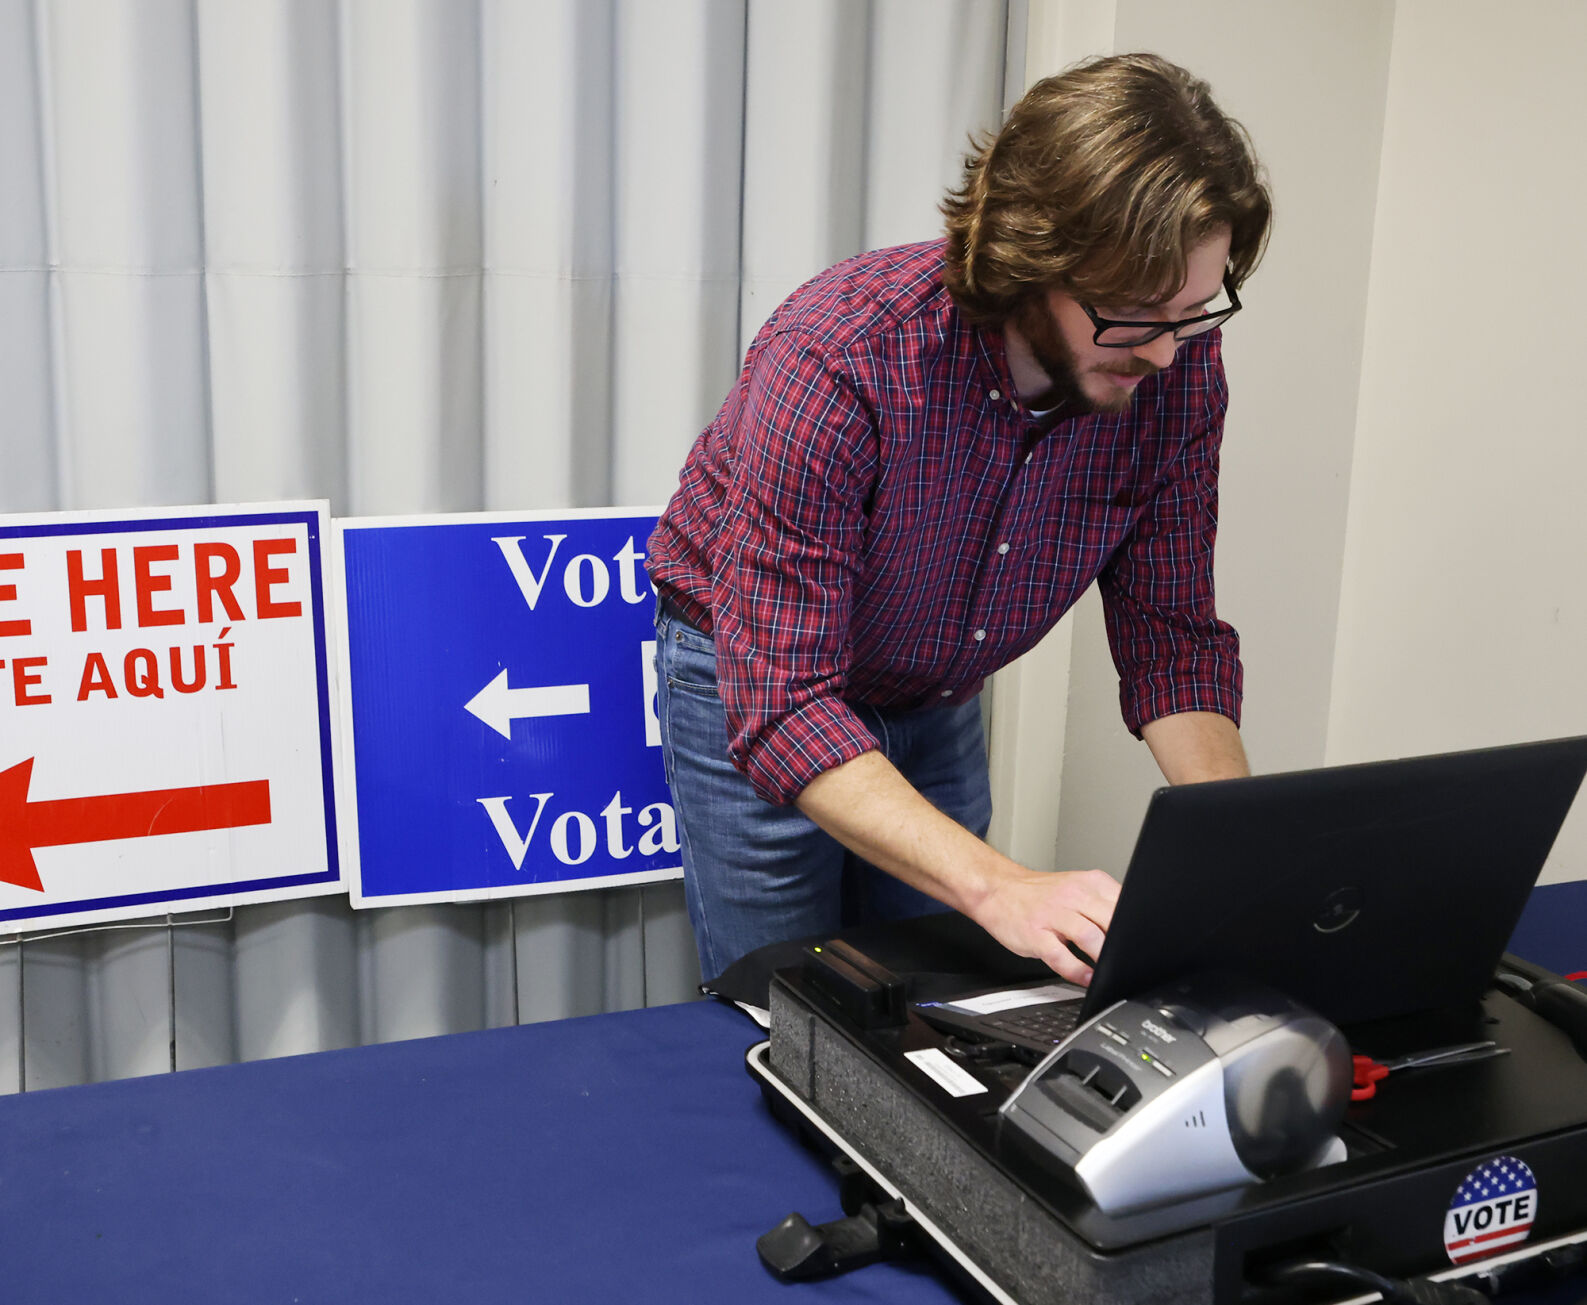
1037	326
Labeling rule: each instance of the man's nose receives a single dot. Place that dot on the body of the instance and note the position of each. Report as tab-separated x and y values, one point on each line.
1159	352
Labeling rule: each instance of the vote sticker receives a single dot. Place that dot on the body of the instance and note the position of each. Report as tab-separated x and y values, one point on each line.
1493	1210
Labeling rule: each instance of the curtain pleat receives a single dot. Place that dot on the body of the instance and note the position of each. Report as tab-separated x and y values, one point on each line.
120	120
678	105
804	147
28	432
416	256
953	59
275	278
546	141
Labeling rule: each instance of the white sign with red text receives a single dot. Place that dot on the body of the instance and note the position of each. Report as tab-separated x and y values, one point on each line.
165	712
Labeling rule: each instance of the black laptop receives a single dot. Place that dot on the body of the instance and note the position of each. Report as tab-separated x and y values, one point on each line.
1364	891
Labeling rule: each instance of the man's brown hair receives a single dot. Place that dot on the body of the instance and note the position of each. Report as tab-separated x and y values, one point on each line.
1100	182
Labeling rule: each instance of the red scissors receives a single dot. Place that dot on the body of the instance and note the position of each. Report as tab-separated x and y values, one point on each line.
1369	1072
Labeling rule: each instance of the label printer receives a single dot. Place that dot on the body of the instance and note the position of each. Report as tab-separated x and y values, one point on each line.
1203	1085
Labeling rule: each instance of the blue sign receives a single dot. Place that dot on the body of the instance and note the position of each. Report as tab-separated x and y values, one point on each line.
499	692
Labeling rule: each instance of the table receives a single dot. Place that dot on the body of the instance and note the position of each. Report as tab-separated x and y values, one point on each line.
623	1158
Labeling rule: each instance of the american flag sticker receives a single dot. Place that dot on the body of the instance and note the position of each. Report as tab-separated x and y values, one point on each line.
1493	1210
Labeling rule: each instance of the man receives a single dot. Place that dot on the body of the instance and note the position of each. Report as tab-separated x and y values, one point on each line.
931	452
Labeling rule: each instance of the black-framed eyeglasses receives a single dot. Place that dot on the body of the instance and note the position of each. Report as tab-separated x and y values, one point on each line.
1111	334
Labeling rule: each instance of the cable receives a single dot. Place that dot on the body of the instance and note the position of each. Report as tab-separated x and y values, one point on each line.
1535	1273
1330	1275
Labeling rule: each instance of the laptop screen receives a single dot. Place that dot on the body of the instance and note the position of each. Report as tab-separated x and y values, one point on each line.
1364	891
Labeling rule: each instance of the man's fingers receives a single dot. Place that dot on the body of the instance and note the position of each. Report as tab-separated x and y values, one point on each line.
1087	936
1066	964
1036	914
1088	898
1102	895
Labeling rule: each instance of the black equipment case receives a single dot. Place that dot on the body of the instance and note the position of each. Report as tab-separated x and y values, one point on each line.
836	1068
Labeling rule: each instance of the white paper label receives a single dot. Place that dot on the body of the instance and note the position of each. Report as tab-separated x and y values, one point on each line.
1014	998
948	1076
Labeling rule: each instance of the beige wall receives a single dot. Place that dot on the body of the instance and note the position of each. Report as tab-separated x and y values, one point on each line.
1463	617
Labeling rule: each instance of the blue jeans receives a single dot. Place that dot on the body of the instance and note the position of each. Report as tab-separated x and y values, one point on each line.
756	873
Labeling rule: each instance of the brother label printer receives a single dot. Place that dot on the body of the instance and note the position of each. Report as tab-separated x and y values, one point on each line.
1204	1085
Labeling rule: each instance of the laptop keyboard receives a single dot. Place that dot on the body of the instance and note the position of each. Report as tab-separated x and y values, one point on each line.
1052	1023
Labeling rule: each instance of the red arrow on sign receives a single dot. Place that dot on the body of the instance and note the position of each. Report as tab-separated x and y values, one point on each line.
26	825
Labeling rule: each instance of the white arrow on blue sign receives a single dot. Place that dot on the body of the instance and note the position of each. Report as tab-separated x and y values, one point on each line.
498	693
499	705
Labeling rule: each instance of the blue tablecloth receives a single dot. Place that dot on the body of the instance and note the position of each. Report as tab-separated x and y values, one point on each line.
622	1158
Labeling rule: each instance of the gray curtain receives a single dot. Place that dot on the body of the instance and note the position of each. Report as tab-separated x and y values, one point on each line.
417	256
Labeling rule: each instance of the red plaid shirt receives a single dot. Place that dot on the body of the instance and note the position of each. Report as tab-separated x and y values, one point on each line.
872	518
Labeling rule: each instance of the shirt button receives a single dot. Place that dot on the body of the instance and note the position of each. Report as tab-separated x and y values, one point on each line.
1028	457
994	395
947	693
979	635
1003	547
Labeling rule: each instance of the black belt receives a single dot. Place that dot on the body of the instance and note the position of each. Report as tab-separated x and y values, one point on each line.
673	612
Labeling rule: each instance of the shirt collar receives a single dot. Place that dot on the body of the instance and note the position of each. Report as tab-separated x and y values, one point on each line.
994	356
994	359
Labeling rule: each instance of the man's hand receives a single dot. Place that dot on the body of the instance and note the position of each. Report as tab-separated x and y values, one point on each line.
869	807
1033	913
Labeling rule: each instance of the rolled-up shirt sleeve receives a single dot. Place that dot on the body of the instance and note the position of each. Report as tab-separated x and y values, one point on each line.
805	466
1172	652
